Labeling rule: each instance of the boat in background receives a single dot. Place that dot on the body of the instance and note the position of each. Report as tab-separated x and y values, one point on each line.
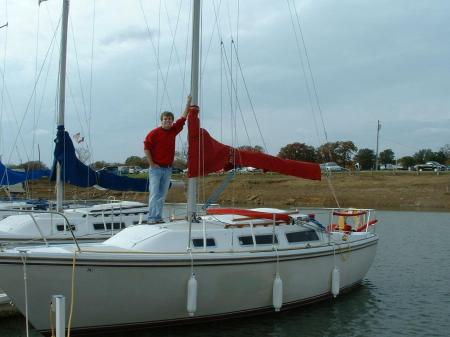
88	223
11	182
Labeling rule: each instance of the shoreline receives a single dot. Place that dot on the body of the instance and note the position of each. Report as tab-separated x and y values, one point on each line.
390	191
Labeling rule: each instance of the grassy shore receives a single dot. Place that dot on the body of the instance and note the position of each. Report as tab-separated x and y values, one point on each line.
402	190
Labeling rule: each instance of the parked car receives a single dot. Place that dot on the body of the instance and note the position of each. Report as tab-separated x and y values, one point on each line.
110	169
391	167
250	169
332	167
123	170
430	166
134	169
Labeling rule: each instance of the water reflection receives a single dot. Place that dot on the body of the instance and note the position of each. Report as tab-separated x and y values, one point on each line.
405	293
337	317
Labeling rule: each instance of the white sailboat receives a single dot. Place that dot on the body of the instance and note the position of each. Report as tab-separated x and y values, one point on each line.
227	263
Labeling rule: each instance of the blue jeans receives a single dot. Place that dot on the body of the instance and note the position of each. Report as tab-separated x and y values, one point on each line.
159	185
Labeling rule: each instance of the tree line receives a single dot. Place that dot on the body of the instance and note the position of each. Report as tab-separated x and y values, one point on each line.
347	154
344	153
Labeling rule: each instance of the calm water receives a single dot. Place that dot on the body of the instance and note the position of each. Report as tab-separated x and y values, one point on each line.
406	293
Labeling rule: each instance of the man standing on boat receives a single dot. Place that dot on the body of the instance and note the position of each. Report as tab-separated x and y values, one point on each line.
159	148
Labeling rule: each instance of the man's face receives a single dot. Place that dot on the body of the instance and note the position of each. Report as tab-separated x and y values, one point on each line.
166	122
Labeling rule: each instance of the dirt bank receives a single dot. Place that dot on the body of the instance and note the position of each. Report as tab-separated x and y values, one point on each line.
381	190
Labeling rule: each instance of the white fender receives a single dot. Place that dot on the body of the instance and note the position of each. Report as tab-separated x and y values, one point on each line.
192	295
277	293
335	280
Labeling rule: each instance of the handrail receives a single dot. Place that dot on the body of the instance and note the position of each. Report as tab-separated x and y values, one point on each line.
48	212
365	215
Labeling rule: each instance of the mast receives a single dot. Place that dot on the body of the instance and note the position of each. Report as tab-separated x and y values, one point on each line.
195	65
61	98
376	155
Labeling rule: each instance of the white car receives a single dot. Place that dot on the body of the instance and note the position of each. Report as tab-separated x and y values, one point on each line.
332	167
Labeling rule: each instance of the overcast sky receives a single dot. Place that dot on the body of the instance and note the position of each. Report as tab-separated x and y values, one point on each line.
129	60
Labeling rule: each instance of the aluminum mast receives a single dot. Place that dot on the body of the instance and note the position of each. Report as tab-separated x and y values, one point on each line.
195	65
62	97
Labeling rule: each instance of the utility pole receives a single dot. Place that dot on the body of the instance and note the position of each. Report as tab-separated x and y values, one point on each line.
378	136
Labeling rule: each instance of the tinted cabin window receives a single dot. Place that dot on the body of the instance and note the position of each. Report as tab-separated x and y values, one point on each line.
198	243
302	236
102	226
60	228
260	240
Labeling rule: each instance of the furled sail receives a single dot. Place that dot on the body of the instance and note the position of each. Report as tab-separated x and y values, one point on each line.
207	155
11	177
76	173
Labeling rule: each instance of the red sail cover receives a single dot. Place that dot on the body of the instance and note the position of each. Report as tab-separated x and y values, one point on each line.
207	155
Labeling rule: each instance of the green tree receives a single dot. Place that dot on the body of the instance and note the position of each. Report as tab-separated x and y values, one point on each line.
407	161
423	156
99	164
135	161
365	158
298	151
250	148
387	157
344	152
446	150
440	157
30	165
327	152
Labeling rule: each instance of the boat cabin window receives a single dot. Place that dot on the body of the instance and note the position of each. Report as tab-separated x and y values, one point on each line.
198	243
61	227
105	226
265	239
302	236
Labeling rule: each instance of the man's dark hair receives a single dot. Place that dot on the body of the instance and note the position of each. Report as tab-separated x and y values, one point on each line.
167	114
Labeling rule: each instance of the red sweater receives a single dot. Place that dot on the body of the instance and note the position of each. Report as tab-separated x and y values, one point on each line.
161	143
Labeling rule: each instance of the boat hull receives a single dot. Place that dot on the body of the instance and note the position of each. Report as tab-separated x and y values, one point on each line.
228	284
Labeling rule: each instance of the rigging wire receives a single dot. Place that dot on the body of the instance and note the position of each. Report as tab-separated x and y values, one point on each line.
234	101
316	96
302	64
5	174
232	46
20	126
217	23
91	77
155	51
3	80
184	149
174	49
238	70
157	64
83	100
250	100
172	52
310	76
33	141
200	101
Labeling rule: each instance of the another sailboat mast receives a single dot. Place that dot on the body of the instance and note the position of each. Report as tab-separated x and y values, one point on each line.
62	95
195	65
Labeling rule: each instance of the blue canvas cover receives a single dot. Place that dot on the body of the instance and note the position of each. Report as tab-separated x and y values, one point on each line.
76	173
11	177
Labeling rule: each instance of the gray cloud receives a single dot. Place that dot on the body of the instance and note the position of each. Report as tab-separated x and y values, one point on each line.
383	60
128	34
